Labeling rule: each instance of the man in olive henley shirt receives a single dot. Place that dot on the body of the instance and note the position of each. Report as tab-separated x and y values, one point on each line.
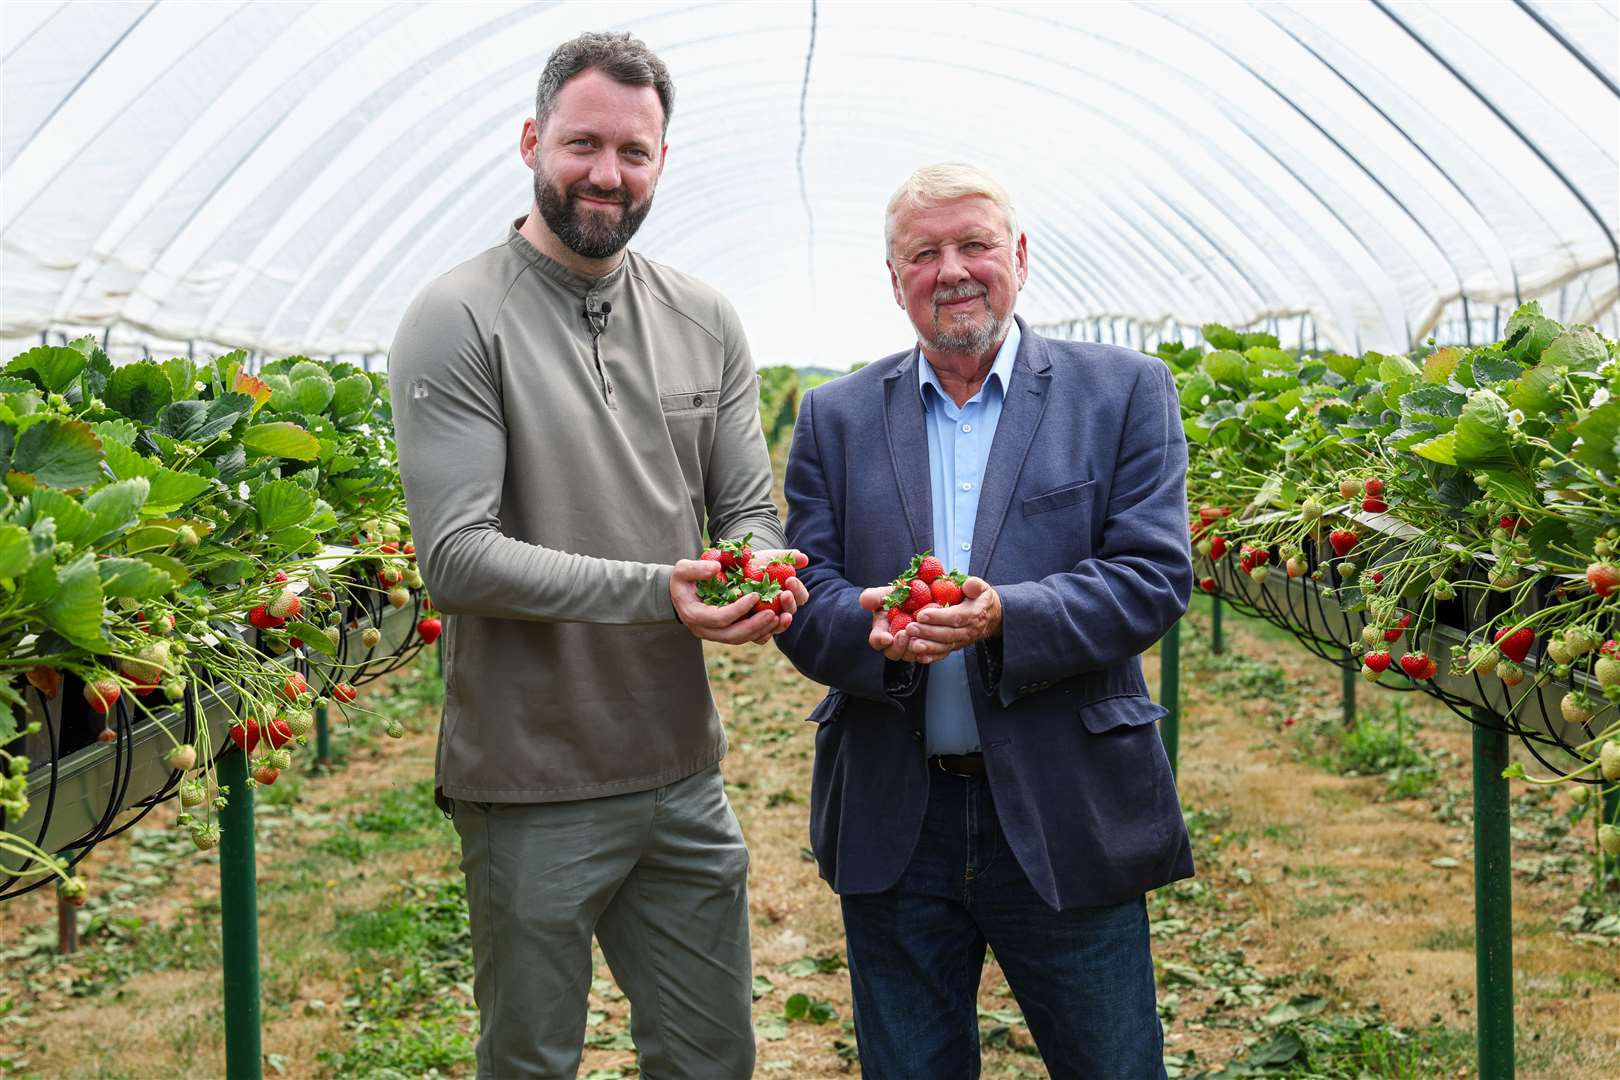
570	417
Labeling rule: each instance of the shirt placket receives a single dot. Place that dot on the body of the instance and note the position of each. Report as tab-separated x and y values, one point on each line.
965	484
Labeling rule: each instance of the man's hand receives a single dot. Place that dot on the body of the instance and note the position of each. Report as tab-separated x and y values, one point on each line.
901	646
940	631
736	622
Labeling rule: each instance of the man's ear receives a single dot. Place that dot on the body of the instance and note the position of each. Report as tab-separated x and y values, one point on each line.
529	142
894	283
1021	260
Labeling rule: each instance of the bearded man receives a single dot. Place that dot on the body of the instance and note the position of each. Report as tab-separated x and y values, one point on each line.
571	417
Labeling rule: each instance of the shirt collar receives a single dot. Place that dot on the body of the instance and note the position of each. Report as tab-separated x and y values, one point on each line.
1000	371
571	280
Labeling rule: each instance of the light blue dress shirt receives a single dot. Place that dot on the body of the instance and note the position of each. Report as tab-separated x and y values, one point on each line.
959	439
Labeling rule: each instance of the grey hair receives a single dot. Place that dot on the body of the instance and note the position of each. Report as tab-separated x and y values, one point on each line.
620	57
934	184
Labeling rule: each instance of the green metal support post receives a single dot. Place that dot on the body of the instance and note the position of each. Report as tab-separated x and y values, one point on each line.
1493	900
323	738
239	920
1170	692
1217	642
1350	695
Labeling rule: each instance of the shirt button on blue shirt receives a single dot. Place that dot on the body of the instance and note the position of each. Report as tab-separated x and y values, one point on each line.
967	547
967	486
967	427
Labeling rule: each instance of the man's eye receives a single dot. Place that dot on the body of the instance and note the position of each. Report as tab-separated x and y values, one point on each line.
973	245
925	253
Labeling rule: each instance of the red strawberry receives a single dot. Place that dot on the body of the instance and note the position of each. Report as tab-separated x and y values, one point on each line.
752	571
1603	577
773	605
266	774
899	620
1378	661
409	551
780	572
106	734
1394	633
1342	540
1610	648
278	733
946	592
1207	584
294	687
246	735
1217	547
389	549
344	692
1260	556
711	555
429	629
262	618
102	694
1374	487
279	577
920	595
1508	522
1516	645
930	568
1373	505
1419	666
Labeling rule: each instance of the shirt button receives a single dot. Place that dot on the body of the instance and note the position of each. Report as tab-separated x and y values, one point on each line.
967	427
966	486
967	547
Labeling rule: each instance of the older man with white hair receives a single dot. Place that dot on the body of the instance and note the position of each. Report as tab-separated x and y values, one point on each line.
991	774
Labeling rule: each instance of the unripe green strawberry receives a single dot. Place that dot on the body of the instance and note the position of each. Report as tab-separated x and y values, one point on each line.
182	758
300	722
333	634
1483	659
1350	489
1607	671
1204	548
370	636
205	836
1558	650
1259	574
390	530
1348	571
174	688
1310	510
395	729
1582	640
1504	577
1576	707
193	793
1371	635
1510	672
399	596
187	536
279	759
1609	839
1609	761
1579	795
74	891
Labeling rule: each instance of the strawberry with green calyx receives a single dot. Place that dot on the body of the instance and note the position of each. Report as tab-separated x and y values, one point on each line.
370	636
1609	839
1394	632
947	590
299	722
344	692
1510	672
1607	672
781	571
1374	664
429	629
1609	761
1581	640
277	732
1207	584
181	758
245	735
1373	505
394	730
1348	570
919	594
193	793
74	891
1371	635
1558	650
1576	707
265	774
899	619
279	759
1260	573
1515	644
102	693
1310	511
399	596
1604	577
286	605
1342	540
333	634
205	836
261	618
1418	666
930	568
294	687
1296	567
1217	546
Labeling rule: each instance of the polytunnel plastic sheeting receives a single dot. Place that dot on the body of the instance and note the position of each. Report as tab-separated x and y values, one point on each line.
285	177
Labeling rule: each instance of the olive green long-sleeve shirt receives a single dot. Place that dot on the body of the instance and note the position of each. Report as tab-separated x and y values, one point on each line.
553	476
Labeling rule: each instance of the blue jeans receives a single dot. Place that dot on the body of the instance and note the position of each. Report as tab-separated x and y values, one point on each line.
1083	977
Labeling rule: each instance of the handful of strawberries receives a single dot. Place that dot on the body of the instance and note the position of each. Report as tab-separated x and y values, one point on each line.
741	573
925	584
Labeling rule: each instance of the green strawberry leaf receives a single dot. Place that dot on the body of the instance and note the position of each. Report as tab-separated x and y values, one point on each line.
351	394
55	366
59	453
171	490
139	391
313	636
72	520
74	608
136	579
281	503
114	508
1597	433
282	439
1579	349
1226	367
1482	432
178	572
16	555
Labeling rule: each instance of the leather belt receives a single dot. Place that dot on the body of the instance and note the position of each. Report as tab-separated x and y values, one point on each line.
969	765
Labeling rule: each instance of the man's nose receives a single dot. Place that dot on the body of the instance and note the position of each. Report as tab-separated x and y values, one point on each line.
605	172
951	267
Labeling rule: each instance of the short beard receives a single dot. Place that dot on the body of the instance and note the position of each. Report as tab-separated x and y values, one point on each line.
967	339
585	232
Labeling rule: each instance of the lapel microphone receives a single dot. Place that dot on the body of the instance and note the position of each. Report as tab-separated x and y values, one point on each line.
596	313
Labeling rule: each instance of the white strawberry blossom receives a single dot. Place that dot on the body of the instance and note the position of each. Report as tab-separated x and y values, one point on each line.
1515	418
1599	396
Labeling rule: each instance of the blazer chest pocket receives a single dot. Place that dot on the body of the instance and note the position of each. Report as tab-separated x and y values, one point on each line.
1058	522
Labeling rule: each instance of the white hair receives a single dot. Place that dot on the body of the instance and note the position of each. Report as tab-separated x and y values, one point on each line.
934	184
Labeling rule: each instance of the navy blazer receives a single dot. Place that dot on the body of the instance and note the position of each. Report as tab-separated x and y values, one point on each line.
1082	530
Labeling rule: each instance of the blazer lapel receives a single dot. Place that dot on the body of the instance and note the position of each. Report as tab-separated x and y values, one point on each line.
1020	416
908	446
